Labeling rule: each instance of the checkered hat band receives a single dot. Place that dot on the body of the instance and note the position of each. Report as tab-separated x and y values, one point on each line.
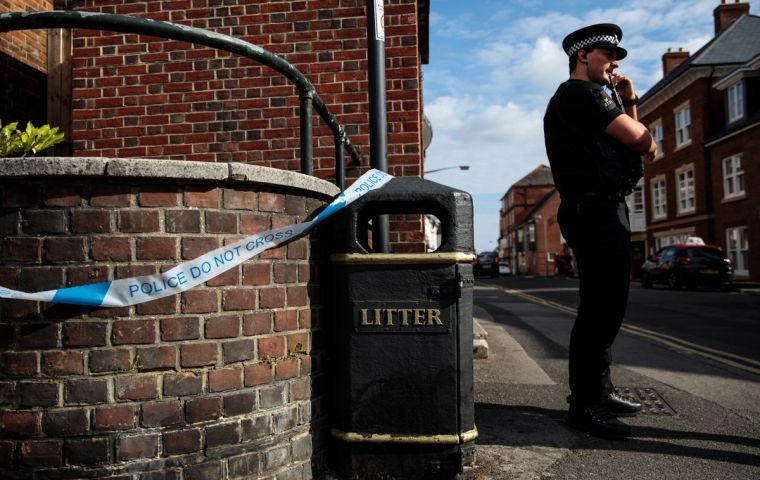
592	40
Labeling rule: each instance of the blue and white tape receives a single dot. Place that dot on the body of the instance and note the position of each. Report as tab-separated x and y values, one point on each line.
135	290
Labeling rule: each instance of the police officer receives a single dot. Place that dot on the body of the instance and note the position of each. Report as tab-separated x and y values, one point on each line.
593	146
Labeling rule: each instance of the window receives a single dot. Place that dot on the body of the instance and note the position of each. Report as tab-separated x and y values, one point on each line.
669	254
637	200
657	134
735	96
520	246
738	249
659	202
532	236
686	201
683	125
733	176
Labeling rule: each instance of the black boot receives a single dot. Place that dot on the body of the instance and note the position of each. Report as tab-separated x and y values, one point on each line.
621	406
597	420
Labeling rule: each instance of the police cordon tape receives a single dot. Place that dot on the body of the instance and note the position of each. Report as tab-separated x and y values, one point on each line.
136	290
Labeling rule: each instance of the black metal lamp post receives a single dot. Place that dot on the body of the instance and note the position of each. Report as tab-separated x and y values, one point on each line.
378	117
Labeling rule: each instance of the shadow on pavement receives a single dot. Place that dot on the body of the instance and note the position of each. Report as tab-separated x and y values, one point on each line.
527	426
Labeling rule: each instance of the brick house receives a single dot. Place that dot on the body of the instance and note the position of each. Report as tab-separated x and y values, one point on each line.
529	236
705	115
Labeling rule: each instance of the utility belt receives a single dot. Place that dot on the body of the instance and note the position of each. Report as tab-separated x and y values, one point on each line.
606	207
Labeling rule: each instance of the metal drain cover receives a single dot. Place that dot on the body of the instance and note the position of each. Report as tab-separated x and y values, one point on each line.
652	402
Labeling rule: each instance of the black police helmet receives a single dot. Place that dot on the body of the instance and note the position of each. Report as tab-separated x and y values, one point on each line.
599	35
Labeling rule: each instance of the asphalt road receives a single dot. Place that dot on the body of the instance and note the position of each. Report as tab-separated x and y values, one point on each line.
694	350
726	324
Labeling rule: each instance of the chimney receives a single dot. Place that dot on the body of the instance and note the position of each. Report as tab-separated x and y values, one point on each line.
671	60
725	13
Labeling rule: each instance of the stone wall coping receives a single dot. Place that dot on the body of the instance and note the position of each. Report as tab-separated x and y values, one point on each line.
163	169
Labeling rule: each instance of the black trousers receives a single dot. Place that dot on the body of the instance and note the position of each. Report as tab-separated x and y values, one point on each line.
599	233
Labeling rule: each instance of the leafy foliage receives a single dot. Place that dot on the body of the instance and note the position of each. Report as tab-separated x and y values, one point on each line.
33	140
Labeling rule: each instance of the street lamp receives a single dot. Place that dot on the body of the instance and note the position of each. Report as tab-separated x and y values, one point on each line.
460	167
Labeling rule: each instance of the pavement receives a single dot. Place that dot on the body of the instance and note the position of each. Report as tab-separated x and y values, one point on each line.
520	408
752	288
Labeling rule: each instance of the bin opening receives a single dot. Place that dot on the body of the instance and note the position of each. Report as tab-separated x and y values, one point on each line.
424	217
416	229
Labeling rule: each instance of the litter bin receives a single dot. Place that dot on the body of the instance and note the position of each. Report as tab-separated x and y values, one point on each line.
401	341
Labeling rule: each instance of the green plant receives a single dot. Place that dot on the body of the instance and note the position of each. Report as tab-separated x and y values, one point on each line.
32	140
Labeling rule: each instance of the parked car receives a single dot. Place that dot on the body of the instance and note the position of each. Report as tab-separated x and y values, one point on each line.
486	263
690	265
504	268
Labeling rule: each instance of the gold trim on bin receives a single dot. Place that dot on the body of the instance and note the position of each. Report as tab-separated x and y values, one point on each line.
354	437
403	258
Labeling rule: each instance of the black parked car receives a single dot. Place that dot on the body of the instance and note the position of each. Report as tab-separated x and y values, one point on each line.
689	265
486	263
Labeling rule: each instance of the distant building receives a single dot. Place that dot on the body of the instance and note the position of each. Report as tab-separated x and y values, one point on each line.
529	236
705	116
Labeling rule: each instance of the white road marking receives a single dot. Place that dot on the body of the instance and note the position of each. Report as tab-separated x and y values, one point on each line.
720	356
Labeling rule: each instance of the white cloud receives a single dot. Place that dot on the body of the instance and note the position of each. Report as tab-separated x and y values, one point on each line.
524	73
524	58
501	142
462	27
553	24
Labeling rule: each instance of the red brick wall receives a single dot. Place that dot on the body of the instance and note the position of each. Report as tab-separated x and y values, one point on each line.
743	211
164	99
520	202
212	383
27	46
548	227
699	98
23	56
547	235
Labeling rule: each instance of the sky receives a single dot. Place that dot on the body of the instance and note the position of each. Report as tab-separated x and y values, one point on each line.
494	64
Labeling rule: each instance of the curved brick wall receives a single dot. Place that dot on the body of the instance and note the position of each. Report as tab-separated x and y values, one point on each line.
213	383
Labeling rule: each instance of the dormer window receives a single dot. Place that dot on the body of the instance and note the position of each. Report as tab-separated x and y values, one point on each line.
735	98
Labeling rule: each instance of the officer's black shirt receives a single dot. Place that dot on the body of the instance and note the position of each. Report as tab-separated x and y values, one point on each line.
574	124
